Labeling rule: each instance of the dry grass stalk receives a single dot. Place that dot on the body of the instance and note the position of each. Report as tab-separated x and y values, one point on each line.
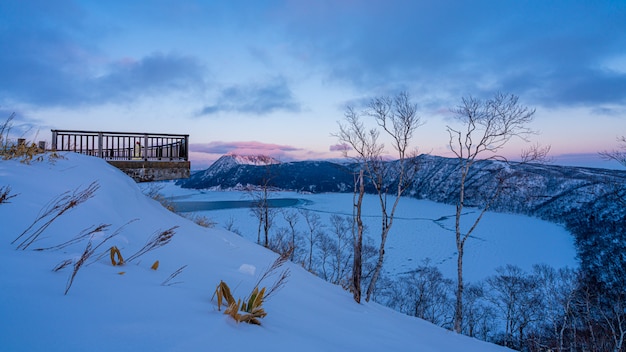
159	239
90	249
79	263
271	271
168	281
62	265
5	128
117	232
53	211
86	233
5	194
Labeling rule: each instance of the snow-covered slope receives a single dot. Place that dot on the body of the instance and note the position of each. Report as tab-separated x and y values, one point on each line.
127	308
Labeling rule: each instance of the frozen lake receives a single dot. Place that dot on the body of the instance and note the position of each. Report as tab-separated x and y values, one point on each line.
422	230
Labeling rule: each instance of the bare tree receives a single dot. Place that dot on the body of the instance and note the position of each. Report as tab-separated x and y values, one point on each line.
291	217
398	118
516	296
334	251
261	208
365	144
486	127
557	289
314	229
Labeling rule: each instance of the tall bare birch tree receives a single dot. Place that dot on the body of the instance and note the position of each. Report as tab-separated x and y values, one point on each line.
486	126
365	144
398	118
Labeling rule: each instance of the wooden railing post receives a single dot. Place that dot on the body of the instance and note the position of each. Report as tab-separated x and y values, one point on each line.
145	147
186	147
100	144
54	140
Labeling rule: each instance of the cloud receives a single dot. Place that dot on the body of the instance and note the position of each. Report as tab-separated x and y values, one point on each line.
258	99
245	148
51	60
151	75
548	50
341	147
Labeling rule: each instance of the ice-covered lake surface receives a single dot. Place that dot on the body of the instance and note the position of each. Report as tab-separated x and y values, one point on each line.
422	230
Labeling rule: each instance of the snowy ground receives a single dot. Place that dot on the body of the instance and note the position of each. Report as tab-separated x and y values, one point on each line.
422	230
127	308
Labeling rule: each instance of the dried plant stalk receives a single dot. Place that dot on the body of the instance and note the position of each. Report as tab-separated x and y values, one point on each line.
168	281
159	239
53	211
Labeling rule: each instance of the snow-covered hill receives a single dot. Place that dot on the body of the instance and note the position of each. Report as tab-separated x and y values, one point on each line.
134	308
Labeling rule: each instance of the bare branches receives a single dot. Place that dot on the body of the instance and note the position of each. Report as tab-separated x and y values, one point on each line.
489	125
536	153
364	142
398	117
618	155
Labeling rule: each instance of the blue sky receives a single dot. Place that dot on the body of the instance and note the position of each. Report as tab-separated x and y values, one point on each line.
274	77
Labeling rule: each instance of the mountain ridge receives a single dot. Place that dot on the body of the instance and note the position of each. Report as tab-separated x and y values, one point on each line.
543	190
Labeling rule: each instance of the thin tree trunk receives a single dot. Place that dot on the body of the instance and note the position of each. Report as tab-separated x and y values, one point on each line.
460	243
379	265
358	241
458	308
266	223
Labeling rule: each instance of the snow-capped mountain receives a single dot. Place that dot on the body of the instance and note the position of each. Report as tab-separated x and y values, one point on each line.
257	160
235	171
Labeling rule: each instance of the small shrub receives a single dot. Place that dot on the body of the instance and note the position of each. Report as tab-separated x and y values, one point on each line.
201	220
249	312
153	190
23	150
251	309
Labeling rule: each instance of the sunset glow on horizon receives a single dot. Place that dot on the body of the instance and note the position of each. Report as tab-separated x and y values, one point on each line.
275	77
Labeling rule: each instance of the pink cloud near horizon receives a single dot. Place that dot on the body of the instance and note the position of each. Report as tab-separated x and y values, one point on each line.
204	154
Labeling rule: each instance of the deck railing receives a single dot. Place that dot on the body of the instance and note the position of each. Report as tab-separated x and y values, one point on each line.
123	145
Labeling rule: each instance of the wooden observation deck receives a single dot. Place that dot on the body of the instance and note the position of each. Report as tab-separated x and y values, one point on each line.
143	156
